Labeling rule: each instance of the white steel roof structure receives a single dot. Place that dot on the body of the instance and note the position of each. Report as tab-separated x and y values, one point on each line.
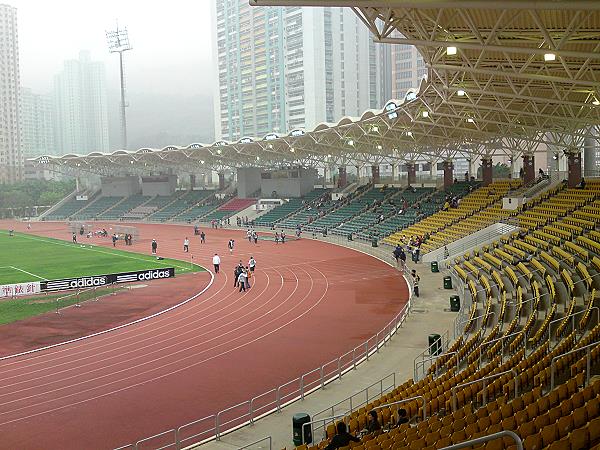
503	77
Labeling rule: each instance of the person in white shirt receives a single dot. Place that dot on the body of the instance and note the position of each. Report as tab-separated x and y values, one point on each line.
252	264
216	262
186	245
242	280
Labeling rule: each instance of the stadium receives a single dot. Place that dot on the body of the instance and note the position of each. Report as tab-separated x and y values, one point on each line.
452	310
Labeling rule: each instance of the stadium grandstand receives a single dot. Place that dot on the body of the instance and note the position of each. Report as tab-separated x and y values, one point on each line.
519	256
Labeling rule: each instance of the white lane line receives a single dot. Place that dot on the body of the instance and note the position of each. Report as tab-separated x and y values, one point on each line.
96	249
115	353
143	319
297	304
28	273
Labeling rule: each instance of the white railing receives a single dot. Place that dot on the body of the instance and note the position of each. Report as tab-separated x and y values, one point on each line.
229	419
490	437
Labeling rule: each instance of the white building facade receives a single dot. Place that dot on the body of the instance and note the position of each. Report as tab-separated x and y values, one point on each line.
11	158
37	130
80	107
280	69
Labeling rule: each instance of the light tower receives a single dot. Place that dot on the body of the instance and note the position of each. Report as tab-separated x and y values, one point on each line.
118	42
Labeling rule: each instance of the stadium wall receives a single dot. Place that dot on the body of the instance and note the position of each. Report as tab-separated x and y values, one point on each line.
120	186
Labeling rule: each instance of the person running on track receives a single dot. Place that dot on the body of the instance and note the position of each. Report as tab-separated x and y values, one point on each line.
216	262
252	264
186	245
230	245
276	237
202	238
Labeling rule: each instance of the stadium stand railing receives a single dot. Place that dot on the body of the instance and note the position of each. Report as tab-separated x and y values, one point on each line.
292	206
70	207
474	212
123	207
95	208
228	209
178	203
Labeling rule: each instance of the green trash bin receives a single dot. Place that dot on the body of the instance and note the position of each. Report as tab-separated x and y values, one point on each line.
349	236
434	266
435	344
447	282
297	421
374	242
454	303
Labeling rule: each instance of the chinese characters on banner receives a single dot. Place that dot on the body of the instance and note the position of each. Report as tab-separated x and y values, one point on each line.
14	290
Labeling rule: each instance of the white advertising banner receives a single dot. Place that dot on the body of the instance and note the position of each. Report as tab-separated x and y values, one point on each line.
17	289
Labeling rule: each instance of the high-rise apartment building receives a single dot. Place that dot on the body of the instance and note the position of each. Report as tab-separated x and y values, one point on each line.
37	131
80	107
408	69
11	159
279	69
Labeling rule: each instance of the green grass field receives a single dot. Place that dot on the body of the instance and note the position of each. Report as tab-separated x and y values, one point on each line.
32	258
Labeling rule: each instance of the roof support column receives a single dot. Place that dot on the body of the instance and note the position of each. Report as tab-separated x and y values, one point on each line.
574	165
221	181
528	168
486	170
448	173
412	173
375	174
343	177
192	181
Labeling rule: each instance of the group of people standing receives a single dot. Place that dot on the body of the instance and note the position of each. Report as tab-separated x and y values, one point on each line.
252	235
400	257
242	274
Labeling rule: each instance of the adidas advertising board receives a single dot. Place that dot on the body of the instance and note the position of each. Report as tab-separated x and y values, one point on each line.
103	280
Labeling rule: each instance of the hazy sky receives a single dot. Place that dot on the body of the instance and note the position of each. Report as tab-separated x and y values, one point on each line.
171	42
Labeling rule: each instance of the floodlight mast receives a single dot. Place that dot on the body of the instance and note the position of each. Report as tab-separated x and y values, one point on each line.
118	42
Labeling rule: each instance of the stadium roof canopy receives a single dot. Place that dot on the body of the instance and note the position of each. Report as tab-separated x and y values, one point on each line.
503	77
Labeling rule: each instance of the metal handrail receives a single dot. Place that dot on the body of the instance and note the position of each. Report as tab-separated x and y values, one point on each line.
406	400
492	313
368	347
588	350
324	419
572	316
365	390
489	437
268	438
164	433
501	338
484	379
431	358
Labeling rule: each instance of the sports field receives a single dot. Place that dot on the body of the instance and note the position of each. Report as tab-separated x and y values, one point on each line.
33	258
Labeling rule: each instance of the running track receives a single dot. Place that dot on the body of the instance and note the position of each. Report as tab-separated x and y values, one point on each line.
309	303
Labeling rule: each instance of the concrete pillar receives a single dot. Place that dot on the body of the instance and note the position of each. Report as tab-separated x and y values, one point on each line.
528	168
590	145
574	168
393	173
343	178
192	181
375	174
448	174
221	181
412	173
486	170
433	170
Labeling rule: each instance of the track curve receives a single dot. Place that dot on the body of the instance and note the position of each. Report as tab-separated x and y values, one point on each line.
310	302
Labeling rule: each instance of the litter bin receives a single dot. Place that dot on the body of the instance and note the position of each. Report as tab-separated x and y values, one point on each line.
435	344
374	242
297	421
434	266
454	303
324	232
349	236
447	282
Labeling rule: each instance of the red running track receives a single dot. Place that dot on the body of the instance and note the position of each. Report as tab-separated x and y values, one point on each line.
309	303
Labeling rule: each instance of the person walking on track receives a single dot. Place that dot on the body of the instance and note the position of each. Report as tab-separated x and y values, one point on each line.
252	264
202	238
242	279
230	245
216	262
154	246
186	245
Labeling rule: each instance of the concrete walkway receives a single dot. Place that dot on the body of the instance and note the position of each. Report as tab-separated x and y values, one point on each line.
430	314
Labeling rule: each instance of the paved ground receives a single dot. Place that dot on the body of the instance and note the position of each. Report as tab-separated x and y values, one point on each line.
430	314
